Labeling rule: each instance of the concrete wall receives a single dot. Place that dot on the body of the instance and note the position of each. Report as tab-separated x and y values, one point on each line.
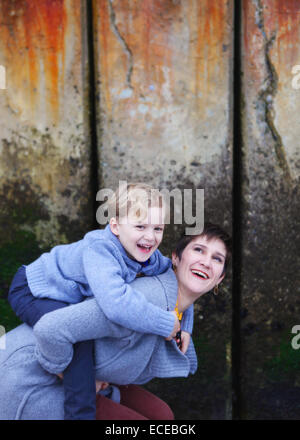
164	88
44	148
270	292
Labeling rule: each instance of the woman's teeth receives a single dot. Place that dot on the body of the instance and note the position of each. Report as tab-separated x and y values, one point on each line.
201	274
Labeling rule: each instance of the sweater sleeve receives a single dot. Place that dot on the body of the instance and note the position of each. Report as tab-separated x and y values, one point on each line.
118	300
56	332
188	320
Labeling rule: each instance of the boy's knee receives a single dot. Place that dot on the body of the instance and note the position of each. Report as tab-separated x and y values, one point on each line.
45	327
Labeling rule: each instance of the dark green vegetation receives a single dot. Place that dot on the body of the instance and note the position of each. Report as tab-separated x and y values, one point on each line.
22	250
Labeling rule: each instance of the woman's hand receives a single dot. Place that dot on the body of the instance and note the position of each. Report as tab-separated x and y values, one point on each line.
100	385
185	340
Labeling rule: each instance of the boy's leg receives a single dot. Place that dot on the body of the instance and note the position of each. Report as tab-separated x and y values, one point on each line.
79	378
28	308
79	384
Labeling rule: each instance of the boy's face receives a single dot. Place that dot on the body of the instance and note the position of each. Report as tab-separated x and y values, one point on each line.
140	238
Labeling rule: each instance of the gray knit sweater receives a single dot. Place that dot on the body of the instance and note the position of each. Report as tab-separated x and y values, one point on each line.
122	356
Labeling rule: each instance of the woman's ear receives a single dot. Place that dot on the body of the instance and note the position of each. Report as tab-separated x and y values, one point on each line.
174	259
221	278
114	226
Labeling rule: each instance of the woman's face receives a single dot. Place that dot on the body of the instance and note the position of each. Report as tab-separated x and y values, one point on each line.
201	265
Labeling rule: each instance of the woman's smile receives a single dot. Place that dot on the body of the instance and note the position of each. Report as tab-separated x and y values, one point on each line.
200	274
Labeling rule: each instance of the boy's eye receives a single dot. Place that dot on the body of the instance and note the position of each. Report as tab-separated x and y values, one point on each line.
141	227
159	229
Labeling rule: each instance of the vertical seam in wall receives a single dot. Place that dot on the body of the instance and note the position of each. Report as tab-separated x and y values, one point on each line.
92	119
237	214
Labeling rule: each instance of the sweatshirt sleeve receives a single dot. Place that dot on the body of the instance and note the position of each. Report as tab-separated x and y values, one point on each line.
56	332
188	320
118	300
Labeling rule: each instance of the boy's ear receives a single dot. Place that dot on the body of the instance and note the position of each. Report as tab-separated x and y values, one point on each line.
114	226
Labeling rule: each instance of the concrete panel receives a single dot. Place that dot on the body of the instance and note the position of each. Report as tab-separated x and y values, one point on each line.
44	149
164	85
270	297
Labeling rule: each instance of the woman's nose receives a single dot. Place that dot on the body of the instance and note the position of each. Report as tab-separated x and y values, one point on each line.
205	260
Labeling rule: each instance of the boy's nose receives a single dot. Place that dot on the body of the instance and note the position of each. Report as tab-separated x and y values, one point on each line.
149	235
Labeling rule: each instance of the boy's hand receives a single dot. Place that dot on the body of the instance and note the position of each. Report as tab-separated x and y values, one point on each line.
185	340
176	327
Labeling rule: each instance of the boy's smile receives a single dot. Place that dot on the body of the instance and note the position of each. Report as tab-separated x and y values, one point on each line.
140	239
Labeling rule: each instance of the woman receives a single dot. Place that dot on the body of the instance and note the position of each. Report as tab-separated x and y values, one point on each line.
122	356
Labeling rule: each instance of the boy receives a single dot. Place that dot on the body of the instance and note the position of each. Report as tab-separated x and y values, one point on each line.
101	265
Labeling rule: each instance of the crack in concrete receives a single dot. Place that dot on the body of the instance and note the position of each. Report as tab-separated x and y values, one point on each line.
268	93
123	44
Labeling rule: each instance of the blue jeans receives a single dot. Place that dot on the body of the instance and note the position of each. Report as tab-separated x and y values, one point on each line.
79	377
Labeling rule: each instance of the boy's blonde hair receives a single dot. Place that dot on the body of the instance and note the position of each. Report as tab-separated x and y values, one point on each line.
134	200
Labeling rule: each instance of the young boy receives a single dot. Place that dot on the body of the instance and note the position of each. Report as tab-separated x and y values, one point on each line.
102	264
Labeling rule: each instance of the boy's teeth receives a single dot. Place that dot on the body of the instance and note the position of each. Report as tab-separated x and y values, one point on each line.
200	273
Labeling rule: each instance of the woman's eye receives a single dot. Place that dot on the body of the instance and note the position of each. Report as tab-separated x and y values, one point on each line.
198	249
218	259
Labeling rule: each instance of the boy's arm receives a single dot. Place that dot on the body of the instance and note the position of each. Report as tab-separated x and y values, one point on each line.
188	320
118	300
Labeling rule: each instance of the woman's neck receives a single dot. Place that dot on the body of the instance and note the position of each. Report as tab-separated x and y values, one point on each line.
184	300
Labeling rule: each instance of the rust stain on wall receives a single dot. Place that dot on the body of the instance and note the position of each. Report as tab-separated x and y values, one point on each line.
281	22
133	35
211	29
283	18
33	32
144	36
